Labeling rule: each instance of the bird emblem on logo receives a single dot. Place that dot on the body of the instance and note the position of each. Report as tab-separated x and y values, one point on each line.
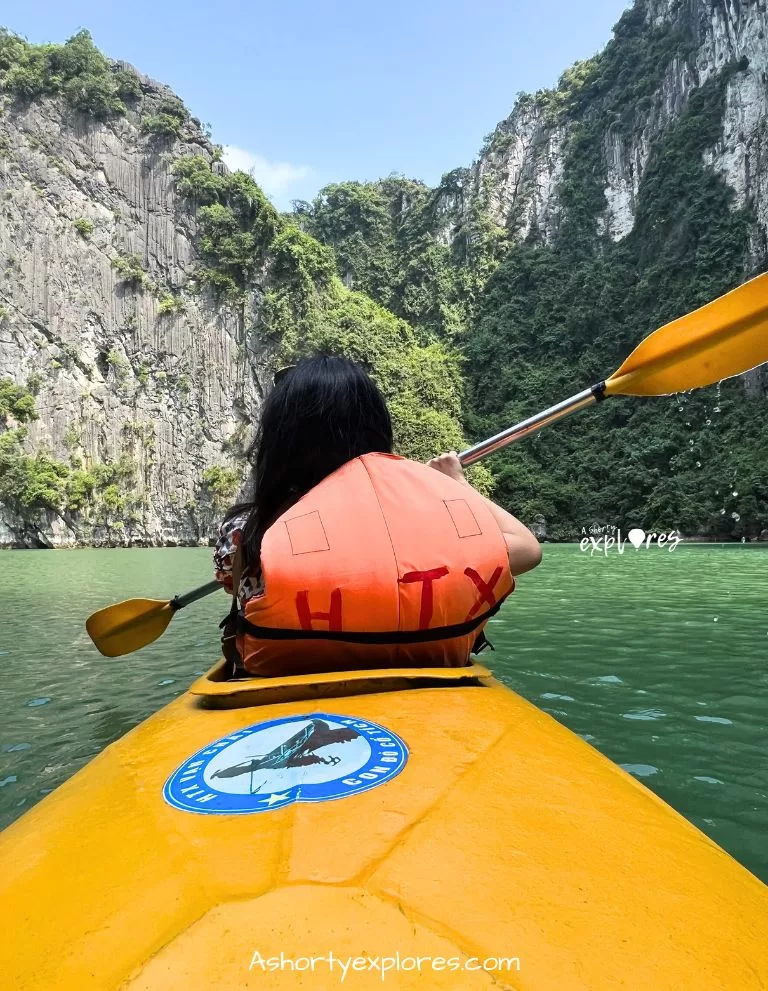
297	751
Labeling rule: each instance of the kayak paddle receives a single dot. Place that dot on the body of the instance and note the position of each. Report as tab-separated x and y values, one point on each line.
726	337
130	625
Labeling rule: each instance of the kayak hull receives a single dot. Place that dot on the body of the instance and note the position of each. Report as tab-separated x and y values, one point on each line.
499	836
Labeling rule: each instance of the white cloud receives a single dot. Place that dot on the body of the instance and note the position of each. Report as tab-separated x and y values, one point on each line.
274	177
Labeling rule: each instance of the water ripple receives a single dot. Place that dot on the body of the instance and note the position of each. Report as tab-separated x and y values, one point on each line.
644	714
640	770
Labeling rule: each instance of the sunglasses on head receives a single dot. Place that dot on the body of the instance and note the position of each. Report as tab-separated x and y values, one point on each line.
281	373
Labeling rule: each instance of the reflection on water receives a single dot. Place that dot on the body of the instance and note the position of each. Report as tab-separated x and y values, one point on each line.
623	649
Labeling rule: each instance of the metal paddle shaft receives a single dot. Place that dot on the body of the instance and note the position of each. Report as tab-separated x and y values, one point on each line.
179	601
527	427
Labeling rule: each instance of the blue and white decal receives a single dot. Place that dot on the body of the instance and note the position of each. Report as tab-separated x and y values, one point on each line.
313	758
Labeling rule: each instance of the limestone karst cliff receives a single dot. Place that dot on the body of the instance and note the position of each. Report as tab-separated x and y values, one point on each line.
663	51
145	292
98	272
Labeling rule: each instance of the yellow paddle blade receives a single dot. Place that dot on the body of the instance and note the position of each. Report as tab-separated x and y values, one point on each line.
724	338
129	625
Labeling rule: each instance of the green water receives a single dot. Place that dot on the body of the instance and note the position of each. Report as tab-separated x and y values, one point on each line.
657	658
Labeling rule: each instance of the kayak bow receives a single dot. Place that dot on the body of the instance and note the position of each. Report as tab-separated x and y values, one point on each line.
429	813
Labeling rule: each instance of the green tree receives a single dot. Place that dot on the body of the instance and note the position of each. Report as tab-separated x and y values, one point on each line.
16	401
77	70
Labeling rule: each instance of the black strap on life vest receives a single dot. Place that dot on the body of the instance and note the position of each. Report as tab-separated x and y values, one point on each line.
389	637
481	643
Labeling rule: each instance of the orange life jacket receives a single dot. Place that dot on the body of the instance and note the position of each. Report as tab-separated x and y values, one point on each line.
385	563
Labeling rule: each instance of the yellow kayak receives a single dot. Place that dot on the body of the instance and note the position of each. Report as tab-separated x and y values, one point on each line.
403	828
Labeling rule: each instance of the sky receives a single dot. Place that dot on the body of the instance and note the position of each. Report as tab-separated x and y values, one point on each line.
308	92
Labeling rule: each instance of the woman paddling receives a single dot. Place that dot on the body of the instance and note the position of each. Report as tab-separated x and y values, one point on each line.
350	556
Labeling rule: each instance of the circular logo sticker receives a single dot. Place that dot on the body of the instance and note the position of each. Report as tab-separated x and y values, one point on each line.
313	758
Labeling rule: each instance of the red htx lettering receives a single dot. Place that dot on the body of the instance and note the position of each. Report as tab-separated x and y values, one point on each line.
484	588
427	596
427	579
332	617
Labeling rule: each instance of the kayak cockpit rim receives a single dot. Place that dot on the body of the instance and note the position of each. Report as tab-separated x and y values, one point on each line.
214	690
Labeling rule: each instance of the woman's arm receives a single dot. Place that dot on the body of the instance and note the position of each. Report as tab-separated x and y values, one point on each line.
523	548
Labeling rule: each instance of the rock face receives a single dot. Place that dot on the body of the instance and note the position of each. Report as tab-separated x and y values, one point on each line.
134	365
518	172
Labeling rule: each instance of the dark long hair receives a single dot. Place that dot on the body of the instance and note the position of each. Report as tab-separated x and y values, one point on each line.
320	414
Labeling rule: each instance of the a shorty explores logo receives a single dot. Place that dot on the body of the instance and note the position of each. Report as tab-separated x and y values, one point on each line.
311	758
602	539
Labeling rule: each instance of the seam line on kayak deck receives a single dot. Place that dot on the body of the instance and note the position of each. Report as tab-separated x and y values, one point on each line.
370	869
440	929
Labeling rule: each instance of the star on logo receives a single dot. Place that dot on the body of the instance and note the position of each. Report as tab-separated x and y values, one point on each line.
276	798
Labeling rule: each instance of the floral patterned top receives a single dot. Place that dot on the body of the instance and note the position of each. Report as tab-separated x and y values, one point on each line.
230	534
